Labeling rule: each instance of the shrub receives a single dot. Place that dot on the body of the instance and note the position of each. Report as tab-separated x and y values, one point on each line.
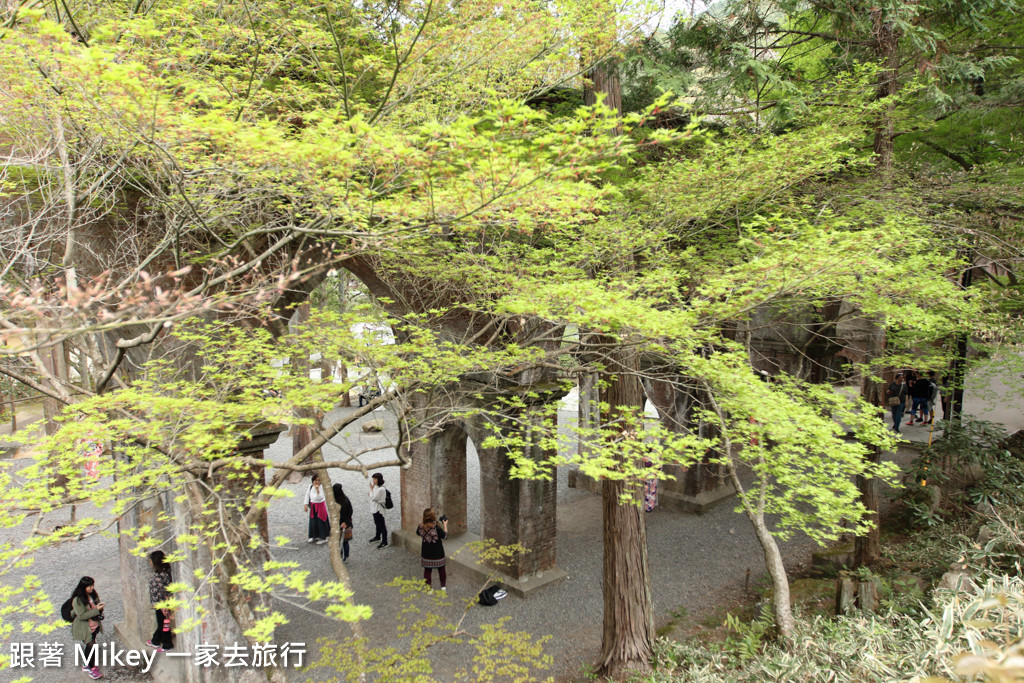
948	462
956	638
999	554
971	632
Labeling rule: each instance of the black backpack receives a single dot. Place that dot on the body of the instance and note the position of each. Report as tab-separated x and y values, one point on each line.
66	613
491	595
388	503
487	598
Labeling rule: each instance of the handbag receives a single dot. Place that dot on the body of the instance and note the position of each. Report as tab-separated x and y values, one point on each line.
348	534
895	400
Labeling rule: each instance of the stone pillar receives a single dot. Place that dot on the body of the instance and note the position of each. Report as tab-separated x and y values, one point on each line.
262	436
701	486
136	571
588	417
522	511
435	478
169	520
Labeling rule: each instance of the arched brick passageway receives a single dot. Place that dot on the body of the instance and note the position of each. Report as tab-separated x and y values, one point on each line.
513	511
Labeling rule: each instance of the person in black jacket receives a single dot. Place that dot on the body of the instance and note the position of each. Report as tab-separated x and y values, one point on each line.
158	592
921	392
432	549
345	519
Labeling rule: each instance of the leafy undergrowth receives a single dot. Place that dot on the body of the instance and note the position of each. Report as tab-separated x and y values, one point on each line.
971	631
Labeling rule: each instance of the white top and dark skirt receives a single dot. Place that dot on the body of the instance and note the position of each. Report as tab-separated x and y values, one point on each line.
319	527
431	549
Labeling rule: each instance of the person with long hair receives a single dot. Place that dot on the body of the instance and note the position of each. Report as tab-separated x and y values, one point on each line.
316	505
158	592
88	616
378	494
344	519
431	548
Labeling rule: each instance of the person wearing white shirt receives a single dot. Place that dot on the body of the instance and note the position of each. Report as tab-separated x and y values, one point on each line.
316	505
377	496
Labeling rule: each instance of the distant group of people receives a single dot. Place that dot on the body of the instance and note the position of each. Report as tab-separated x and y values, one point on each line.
915	395
315	504
432	531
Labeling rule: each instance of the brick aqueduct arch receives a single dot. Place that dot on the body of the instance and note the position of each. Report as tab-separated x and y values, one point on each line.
514	511
524	512
519	511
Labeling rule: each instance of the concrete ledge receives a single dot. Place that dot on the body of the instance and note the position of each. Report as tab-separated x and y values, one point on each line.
466	563
698	504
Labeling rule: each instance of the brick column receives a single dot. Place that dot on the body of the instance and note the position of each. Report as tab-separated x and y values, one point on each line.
436	478
169	519
701	486
517	510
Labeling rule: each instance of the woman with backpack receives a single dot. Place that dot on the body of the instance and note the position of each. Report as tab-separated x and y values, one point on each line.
432	548
316	505
378	496
87	611
344	519
158	583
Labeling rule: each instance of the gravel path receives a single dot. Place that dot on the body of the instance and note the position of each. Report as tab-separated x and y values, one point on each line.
58	570
692	560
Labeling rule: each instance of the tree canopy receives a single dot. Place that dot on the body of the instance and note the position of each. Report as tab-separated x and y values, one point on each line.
178	178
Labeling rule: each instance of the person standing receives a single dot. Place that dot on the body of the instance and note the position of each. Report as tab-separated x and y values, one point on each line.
378	494
921	392
88	613
897	396
158	592
316	505
344	519
432	548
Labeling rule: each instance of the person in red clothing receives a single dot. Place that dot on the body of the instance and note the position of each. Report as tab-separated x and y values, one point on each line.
315	504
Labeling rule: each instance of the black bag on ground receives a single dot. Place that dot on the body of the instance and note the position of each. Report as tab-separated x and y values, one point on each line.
487	598
490	595
388	503
66	613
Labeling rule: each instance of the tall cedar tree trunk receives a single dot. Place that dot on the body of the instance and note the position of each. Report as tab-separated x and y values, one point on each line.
887	50
958	368
628	635
604	80
867	548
